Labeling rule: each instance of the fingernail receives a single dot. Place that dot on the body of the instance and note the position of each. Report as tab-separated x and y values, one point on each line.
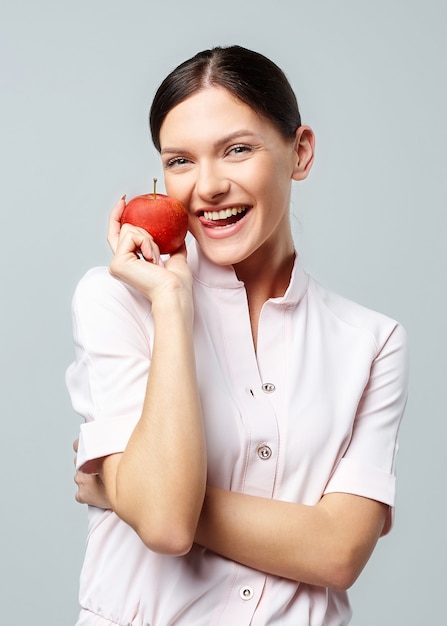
123	197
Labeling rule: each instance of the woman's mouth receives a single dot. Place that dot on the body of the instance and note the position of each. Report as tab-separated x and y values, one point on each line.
223	217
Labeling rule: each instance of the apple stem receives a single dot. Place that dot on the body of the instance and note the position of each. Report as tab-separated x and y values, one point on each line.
155	188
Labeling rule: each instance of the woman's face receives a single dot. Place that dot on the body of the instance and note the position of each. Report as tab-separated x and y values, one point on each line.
232	170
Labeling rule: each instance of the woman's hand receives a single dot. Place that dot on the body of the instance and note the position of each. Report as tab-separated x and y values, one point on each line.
91	489
137	260
149	252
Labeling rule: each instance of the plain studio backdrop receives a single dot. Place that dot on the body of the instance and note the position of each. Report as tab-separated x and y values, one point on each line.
77	80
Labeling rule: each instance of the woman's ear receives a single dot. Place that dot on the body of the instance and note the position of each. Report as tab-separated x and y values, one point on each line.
304	150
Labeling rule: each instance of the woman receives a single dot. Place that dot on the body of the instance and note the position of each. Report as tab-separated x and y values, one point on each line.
248	477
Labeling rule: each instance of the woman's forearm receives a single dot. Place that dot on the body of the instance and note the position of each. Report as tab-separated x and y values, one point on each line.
327	544
157	484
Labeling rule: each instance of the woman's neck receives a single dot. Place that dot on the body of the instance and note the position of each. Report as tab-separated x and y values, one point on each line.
266	274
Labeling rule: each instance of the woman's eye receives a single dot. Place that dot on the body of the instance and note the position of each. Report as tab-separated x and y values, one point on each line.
176	162
239	149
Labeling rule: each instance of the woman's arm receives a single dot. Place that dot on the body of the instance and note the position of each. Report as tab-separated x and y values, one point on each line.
327	544
157	484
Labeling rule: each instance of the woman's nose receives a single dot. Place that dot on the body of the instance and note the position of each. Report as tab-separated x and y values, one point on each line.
211	182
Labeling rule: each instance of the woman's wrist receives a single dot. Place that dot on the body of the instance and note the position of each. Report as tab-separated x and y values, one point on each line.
172	305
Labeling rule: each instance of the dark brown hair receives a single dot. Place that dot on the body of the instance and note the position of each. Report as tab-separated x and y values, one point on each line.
248	75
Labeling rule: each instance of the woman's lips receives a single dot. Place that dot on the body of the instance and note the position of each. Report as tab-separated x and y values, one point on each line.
223	222
222	217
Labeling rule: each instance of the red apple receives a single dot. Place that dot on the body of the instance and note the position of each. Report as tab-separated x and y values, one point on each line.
165	218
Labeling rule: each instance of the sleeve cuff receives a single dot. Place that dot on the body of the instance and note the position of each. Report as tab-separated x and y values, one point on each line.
101	438
354	477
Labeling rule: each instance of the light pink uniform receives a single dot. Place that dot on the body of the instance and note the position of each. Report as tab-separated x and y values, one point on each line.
316	410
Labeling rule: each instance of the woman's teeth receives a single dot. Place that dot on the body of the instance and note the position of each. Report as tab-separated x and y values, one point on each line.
223	214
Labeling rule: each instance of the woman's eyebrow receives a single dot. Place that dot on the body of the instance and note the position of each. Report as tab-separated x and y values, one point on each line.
173	151
217	144
236	135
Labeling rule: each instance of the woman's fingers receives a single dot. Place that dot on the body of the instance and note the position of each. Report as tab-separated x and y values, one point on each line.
113	233
133	245
91	490
137	260
75	448
149	249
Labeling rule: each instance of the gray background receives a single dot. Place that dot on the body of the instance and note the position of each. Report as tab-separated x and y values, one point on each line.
77	79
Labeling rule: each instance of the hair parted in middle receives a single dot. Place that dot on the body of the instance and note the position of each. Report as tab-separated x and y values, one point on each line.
249	76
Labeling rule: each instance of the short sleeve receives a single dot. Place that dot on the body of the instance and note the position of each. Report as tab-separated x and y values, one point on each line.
112	330
368	465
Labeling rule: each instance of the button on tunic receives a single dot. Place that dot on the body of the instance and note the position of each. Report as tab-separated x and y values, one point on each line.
316	409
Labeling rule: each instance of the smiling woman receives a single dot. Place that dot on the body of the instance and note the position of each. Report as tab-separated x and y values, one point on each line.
241	418
230	157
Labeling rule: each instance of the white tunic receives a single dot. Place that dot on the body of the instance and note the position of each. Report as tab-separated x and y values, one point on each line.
315	410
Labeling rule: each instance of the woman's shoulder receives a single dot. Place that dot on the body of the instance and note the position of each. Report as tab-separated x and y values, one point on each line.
355	315
96	277
97	288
